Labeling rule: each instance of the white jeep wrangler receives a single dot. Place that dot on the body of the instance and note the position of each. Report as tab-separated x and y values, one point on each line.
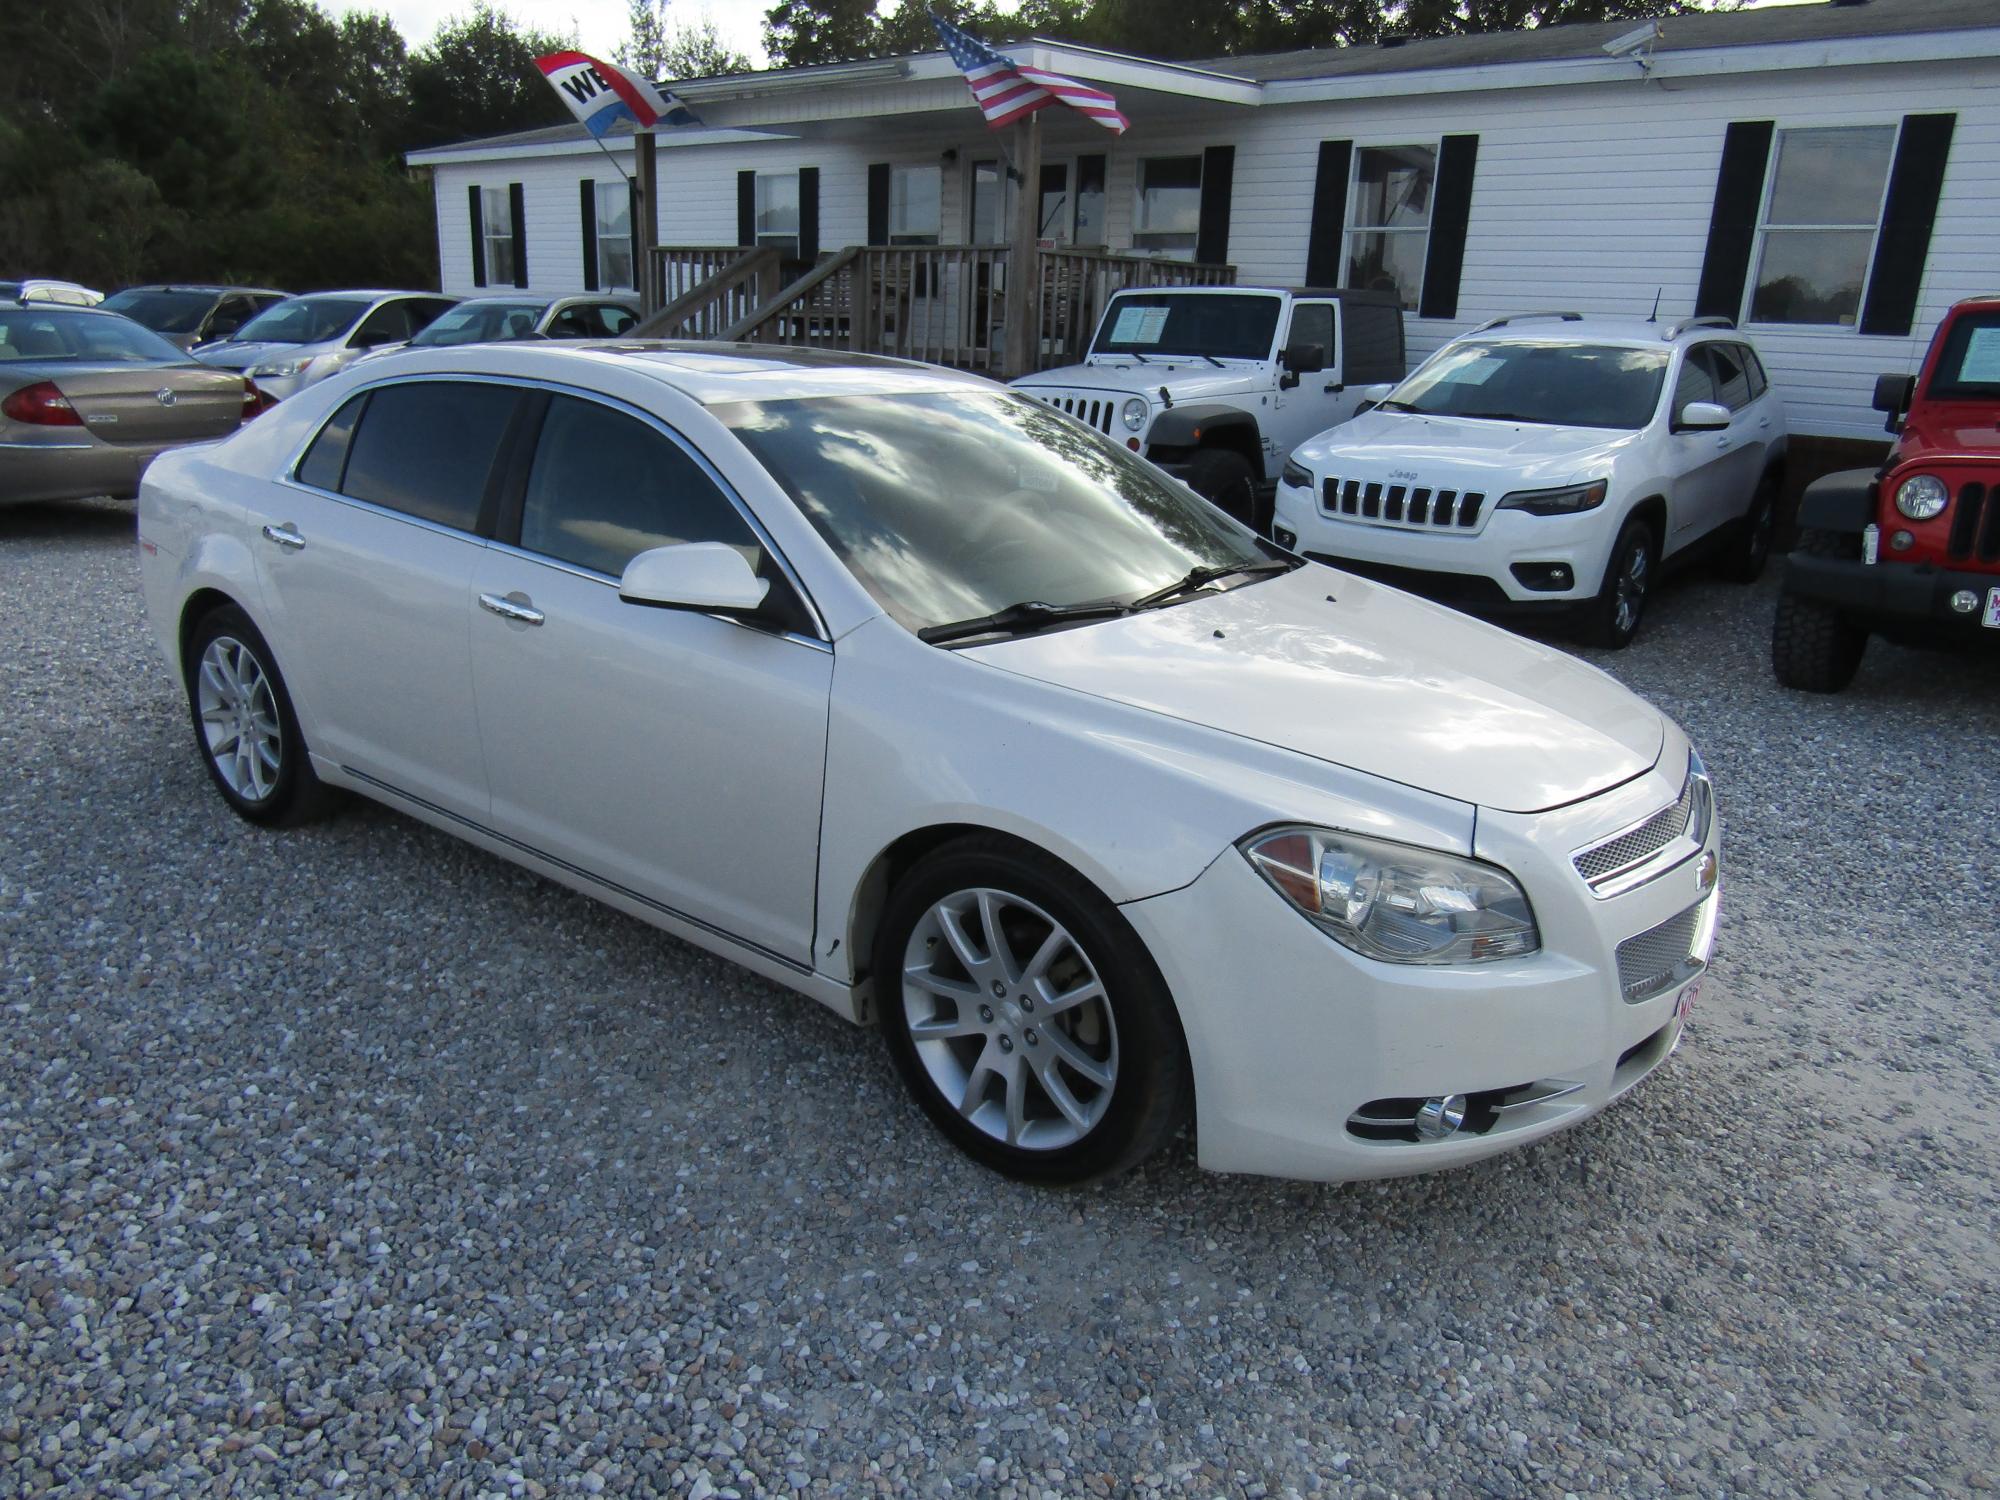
1217	385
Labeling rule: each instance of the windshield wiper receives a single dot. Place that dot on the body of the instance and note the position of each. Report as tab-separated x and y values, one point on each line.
1198	578
1500	416
1018	619
1388	403
1213	360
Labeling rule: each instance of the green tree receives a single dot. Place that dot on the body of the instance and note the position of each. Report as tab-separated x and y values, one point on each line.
660	47
477	76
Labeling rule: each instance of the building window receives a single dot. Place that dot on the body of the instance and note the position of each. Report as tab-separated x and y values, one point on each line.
614	237
496	215
778	212
916	205
1167	214
1821	212
1389	220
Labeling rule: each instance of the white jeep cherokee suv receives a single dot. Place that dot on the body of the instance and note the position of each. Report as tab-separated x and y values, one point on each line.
1548	460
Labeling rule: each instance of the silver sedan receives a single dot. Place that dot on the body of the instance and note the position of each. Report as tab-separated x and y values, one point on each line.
88	399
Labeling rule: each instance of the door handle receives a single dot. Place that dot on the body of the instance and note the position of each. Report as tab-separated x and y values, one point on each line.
286	536
1335	389
508	607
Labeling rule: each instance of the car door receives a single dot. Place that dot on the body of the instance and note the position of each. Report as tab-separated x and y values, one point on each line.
1740	386
676	755
1697	461
367	561
1319	400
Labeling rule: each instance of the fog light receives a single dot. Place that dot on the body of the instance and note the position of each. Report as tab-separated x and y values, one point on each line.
1439	1118
1965	601
1284	536
1901	541
1544	577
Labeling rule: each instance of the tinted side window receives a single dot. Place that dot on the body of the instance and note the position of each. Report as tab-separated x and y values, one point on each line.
1312	323
1695	384
427	447
327	457
1732	384
388	324
605	487
616	319
1754	368
573	323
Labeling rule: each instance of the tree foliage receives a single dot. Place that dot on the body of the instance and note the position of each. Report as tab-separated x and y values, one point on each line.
660	47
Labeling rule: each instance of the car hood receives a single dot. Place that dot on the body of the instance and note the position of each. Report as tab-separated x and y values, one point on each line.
1530	452
231	355
1367	677
1185	380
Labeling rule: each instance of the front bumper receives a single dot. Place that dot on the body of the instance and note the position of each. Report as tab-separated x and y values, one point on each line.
1887	591
1291	1034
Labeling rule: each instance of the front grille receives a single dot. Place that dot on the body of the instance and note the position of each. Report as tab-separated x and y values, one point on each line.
1603	863
1975	523
1401	504
1659	958
1092	411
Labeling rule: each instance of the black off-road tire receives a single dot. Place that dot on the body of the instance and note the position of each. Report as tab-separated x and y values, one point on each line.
1814	647
1224	480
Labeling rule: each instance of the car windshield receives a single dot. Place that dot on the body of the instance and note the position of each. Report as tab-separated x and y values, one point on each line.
162	311
303	320
10	291
950	505
1538	380
1968	366
483	322
41	333
1225	326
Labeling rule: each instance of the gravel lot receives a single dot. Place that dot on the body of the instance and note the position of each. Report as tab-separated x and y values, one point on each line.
353	1161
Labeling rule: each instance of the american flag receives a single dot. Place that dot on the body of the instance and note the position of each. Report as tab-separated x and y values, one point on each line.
1007	91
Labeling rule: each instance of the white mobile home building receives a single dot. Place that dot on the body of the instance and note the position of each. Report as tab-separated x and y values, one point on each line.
1827	175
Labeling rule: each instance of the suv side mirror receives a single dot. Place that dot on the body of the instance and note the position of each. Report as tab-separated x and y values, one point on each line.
1373	396
1702	416
712	577
1893	394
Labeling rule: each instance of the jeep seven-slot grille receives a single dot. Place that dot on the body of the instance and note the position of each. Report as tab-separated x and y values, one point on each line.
1093	411
1659	958
1975	524
1401	504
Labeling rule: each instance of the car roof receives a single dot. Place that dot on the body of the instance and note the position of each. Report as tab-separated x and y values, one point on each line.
1642	333
1336	294
201	286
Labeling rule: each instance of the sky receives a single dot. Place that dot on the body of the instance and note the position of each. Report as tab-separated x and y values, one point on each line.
600	25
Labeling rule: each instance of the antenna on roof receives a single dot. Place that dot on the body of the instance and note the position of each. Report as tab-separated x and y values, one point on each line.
1654	315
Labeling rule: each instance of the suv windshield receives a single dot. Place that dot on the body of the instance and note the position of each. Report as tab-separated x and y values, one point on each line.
161	311
954	504
1229	326
1538	380
303	320
1968	366
481	322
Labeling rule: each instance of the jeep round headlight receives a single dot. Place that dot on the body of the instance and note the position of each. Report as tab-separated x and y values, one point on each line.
1921	497
1134	414
1396	902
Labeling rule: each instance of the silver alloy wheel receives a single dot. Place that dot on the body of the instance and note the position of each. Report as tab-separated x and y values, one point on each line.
1631	587
1010	1019
239	718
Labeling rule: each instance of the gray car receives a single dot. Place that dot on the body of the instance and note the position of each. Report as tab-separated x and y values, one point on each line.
303	340
488	320
187	314
89	398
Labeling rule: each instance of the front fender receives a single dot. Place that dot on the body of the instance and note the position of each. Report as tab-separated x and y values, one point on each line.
1838	502
1199	422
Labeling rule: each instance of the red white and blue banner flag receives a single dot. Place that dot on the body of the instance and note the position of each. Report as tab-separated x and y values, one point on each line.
1006	91
600	94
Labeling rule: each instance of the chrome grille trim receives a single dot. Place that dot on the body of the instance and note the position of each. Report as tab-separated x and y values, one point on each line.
1661	957
1648	848
1413	507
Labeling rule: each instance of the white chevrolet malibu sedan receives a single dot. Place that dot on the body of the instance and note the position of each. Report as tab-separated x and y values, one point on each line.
931	703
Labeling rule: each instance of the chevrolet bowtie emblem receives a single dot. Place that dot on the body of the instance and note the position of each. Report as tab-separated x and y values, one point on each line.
1705	873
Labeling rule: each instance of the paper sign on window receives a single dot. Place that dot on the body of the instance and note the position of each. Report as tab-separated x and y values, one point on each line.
1981	365
1139	325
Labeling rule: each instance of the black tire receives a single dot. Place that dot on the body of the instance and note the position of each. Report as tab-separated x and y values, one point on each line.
1814	647
1150	1094
1748	546
1635	560
1224	480
293	794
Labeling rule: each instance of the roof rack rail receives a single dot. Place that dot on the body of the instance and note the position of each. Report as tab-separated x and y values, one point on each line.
1566	317
1710	320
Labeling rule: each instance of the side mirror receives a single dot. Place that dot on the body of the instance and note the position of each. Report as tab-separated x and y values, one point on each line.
1893	393
1303	359
708	576
1373	396
1702	416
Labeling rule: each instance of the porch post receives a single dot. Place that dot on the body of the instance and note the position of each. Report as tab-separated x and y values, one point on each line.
645	227
1021	327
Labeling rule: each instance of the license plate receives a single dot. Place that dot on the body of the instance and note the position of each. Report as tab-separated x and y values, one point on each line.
1686	1002
1991	619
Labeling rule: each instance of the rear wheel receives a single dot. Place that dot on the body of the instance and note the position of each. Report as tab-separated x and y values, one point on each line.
1224	480
1749	544
244	725
1814	647
1026	1017
1612	618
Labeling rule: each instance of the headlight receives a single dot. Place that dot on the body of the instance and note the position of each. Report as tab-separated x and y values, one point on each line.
1922	496
1565	501
1297	475
1134	414
1395	902
282	369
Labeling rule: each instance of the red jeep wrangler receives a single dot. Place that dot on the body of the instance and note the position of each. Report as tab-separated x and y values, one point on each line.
1912	551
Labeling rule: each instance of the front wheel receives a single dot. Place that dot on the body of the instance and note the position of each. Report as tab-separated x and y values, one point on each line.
244	725
1612	618
1814	647
1224	480
1026	1017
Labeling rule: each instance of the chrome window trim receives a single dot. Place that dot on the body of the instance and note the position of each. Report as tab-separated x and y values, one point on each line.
289	476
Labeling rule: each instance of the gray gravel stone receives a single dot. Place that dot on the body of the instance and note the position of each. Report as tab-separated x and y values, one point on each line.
355	1162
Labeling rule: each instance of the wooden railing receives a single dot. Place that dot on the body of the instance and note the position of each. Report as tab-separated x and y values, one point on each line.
679	269
724	299
946	304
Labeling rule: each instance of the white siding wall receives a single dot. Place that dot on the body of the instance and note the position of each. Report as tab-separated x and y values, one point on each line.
1591	197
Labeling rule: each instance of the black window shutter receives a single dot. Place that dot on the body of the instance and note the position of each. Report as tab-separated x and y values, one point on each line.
1329	213
1218	179
633	215
587	199
517	205
1900	250
1732	222
478	238
1451	211
878	203
808	214
746	208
